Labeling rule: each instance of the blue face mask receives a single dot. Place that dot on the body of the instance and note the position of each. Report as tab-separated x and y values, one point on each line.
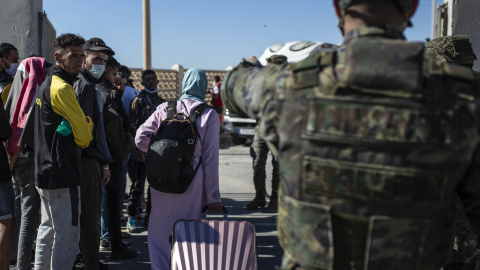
97	71
13	69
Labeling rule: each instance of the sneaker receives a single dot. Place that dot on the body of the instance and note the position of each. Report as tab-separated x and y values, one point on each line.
126	244
140	215
105	244
122	252
131	225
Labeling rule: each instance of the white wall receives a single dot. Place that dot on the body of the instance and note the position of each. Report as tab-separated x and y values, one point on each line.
22	25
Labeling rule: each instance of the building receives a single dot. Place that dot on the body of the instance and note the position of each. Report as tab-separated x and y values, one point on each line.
459	17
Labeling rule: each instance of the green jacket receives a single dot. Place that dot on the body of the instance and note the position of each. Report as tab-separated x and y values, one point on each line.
373	141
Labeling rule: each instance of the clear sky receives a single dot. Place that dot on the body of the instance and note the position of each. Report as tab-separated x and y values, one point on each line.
207	34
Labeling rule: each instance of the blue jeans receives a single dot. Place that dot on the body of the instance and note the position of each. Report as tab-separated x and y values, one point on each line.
7	200
104	218
29	198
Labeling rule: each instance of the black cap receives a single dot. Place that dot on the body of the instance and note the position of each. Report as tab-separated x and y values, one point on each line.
97	44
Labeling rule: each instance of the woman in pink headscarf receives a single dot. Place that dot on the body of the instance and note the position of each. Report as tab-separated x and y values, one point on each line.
204	189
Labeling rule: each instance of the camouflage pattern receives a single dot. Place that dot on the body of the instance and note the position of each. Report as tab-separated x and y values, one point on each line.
452	49
466	255
373	142
259	153
142	107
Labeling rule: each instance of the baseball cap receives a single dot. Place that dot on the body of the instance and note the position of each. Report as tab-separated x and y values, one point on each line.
97	44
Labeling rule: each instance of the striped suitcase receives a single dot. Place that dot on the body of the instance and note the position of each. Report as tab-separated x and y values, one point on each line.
213	245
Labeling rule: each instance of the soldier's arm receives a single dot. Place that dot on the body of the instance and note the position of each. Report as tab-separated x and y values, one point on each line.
469	192
254	91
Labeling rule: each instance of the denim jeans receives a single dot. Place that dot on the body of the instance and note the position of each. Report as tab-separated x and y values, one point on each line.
29	201
7	200
104	218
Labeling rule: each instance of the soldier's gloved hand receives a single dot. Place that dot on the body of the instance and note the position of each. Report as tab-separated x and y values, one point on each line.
250	62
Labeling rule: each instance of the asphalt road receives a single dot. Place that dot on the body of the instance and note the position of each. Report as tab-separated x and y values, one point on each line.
237	190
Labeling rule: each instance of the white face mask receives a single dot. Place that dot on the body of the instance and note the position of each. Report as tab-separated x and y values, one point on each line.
97	71
13	69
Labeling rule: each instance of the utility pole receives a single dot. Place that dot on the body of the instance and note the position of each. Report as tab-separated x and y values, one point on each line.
434	15
147	48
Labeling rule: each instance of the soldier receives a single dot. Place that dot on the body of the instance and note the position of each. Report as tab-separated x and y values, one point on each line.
373	143
458	50
259	152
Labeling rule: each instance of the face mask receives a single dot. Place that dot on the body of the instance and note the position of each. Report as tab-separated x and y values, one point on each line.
97	71
13	69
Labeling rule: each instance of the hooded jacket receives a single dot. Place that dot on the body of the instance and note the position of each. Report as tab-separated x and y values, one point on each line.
87	98
120	141
57	157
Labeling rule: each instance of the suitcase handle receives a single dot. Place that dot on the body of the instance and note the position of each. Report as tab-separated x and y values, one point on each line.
204	212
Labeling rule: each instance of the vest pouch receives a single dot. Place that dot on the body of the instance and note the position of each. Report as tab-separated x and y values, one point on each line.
395	243
305	232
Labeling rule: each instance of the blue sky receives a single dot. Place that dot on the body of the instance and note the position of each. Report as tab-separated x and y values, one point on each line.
207	34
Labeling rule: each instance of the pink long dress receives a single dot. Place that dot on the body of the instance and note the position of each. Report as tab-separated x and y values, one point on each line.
204	189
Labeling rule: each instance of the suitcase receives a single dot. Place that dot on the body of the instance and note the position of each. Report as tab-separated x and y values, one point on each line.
213	244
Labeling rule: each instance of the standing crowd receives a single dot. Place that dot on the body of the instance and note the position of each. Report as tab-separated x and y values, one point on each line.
378	150
71	137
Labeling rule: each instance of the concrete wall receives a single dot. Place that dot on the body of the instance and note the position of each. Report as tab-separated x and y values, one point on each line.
466	21
23	24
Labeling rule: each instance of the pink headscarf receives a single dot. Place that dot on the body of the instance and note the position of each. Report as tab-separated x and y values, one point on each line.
31	75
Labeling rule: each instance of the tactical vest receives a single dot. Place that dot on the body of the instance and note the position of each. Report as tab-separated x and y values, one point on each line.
370	159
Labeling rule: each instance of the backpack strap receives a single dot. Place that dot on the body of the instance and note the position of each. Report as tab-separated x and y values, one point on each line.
172	109
197	111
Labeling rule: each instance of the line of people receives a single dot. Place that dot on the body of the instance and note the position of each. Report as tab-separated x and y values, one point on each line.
70	141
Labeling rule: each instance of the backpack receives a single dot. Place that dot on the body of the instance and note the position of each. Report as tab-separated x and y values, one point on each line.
169	163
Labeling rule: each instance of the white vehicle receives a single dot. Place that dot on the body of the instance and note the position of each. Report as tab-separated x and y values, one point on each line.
242	129
295	51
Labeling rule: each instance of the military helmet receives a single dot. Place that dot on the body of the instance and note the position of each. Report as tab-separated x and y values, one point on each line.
405	7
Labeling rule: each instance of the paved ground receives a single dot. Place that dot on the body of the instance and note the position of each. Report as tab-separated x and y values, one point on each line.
237	190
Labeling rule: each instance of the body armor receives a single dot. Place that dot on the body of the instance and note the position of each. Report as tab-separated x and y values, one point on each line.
373	141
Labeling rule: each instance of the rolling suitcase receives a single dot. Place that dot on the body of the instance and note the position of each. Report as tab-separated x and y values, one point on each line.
213	244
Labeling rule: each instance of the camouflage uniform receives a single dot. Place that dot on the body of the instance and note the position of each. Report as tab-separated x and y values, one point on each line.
458	50
259	153
373	142
142	107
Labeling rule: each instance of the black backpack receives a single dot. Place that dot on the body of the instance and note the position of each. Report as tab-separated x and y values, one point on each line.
169	164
